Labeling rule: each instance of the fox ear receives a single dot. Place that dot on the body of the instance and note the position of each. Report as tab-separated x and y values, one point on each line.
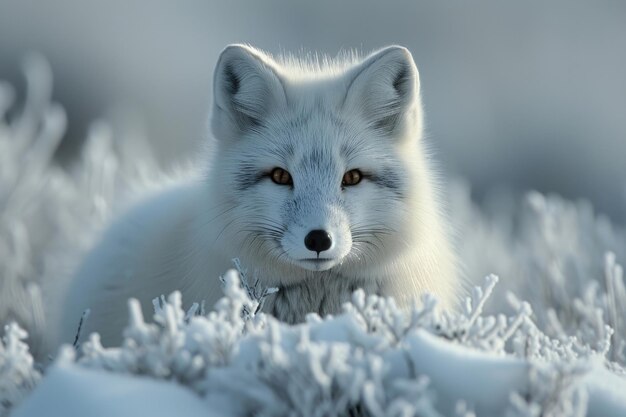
385	88
246	88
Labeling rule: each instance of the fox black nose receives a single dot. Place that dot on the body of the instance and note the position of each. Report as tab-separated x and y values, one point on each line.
318	241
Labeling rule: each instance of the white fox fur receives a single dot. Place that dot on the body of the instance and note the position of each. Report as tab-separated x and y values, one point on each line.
316	121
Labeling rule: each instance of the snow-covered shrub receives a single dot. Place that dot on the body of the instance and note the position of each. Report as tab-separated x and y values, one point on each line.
17	373
557	255
47	213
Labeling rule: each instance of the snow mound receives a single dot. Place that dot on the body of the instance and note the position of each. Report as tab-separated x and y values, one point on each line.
69	390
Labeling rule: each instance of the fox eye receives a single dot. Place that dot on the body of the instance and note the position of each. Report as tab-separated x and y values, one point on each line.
352	177
281	176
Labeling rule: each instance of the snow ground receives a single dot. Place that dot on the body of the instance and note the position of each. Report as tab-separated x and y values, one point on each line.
68	390
496	358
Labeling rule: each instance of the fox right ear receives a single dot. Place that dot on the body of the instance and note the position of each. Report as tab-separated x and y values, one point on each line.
246	88
385	89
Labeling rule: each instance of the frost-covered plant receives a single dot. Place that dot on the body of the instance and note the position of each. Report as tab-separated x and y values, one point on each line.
489	333
557	255
17	373
256	294
26	147
180	345
48	213
554	392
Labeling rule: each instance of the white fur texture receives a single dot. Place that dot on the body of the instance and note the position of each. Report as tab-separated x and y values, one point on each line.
317	121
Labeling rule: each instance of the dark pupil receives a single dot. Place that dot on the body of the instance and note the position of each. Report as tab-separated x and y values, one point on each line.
351	177
281	176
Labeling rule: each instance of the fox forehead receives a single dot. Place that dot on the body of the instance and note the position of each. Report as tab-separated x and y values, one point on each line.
307	136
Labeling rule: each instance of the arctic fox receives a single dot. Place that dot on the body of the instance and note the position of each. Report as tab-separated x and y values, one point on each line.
317	180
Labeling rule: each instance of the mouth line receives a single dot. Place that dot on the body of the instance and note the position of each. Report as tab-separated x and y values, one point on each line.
316	259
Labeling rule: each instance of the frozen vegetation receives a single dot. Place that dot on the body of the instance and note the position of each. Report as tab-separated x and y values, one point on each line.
546	339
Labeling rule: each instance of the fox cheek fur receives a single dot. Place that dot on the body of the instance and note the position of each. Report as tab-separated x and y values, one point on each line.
317	177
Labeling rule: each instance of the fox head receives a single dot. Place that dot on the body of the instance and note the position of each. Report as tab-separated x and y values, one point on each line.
318	165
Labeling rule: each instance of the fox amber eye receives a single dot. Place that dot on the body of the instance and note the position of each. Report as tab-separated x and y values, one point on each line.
352	177
281	177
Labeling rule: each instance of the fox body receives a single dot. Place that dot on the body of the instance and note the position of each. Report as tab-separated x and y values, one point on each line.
317	180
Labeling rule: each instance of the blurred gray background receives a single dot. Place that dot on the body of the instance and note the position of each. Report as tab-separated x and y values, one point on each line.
524	95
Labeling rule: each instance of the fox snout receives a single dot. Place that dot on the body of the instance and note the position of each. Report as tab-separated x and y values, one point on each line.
319	243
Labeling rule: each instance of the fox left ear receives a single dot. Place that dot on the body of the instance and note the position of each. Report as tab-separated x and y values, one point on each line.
246	88
385	88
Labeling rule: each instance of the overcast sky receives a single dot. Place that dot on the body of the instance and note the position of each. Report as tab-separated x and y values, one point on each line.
525	94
